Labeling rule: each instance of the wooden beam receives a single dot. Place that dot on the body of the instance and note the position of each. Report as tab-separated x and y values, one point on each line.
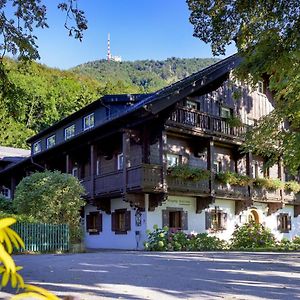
126	157
163	148
210	165
274	207
203	203
242	205
92	169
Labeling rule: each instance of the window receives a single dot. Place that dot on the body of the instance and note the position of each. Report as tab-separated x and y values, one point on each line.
218	167
98	167
284	222
6	192
69	132
50	142
94	223
37	147
215	220
175	219
260	87
88	121
173	160
225	112
75	171
120	161
121	221
191	104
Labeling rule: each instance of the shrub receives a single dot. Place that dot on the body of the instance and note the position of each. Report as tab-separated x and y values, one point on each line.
186	172
252	235
287	245
204	242
51	197
157	239
6	205
292	186
163	240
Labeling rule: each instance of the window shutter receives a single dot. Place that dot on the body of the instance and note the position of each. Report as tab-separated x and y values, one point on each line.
223	220
279	222
165	218
128	220
88	222
113	221
184	220
289	223
99	222
207	220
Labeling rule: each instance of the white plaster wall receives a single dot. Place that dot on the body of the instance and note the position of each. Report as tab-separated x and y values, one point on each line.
196	222
107	238
228	206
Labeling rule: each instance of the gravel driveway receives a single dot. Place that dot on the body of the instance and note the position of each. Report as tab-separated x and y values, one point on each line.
175	275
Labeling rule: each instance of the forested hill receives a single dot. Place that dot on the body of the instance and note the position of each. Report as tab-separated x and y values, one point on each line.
146	75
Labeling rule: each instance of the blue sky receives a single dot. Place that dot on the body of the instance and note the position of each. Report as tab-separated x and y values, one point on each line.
139	29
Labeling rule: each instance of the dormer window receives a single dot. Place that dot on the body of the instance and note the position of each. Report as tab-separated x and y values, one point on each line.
191	104
37	147
50	142
69	132
88	122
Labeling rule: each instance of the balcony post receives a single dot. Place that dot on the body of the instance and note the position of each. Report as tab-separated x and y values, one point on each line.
249	171
68	164
92	169
210	165
163	147
12	187
281	176
146	146
126	157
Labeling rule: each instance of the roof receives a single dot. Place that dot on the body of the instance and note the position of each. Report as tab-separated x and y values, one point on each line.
13	154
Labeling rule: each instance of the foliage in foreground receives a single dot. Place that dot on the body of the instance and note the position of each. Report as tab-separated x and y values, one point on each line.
51	197
8	269
250	237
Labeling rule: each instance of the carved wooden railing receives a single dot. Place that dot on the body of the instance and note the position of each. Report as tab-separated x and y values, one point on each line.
108	183
261	193
206	122
87	184
197	187
145	177
231	191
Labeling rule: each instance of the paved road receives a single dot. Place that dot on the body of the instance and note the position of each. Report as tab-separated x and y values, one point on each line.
150	275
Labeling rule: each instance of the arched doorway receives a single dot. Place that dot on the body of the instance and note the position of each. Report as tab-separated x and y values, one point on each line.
253	216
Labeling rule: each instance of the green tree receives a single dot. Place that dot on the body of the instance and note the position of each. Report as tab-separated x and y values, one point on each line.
51	197
18	18
266	34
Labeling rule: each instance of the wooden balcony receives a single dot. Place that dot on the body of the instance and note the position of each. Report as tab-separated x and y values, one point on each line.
291	197
188	186
207	123
146	177
231	191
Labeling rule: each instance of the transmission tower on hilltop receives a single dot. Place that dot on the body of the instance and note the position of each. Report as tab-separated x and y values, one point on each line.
111	57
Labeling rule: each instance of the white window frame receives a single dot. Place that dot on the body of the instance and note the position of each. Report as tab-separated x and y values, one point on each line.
48	145
98	167
6	192
120	161
191	104
223	114
217	166
39	148
173	160
66	130
260	87
75	172
87	125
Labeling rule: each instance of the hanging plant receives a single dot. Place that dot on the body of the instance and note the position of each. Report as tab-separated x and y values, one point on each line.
233	178
186	172
234	121
268	183
292	186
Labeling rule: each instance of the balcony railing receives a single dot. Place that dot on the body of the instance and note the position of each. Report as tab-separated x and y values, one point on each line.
231	191
180	185
206	122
